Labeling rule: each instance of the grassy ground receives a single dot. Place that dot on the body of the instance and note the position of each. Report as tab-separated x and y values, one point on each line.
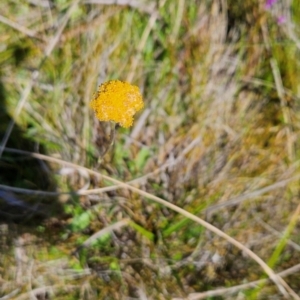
218	137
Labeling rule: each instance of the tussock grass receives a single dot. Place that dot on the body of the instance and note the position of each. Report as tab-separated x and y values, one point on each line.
218	138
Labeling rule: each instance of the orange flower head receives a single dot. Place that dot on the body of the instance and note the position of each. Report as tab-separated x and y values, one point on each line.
117	101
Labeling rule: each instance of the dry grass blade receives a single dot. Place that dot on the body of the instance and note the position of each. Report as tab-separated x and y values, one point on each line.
18	110
42	291
18	27
283	287
53	194
281	94
141	45
176	27
10	295
285	110
34	76
135	181
235	289
252	195
60	30
140	5
275	232
100	233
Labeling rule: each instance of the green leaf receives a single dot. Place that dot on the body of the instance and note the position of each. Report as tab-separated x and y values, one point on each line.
149	235
142	158
81	221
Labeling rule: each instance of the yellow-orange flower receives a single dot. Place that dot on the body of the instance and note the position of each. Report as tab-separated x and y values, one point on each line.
117	101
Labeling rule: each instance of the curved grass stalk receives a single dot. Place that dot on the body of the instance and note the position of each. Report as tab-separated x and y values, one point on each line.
282	286
237	288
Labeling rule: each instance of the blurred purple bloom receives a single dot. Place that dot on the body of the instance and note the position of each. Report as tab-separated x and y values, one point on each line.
281	20
269	3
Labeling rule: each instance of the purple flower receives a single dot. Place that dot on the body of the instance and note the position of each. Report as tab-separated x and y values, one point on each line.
281	20
270	3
